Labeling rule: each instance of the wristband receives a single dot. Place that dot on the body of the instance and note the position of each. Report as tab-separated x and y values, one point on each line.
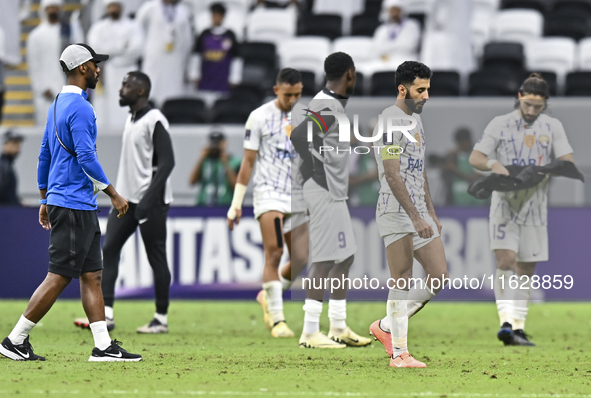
490	163
43	201
239	192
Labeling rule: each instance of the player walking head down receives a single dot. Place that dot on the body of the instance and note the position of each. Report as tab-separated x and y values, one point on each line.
413	80
339	70
288	88
532	97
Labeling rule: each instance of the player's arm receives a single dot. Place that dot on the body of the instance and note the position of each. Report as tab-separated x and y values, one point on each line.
481	162
479	158
81	123
568	157
392	171
164	164
235	211
429	202
43	178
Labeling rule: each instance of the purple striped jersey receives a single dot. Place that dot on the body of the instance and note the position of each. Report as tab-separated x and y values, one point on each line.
267	131
412	162
511	141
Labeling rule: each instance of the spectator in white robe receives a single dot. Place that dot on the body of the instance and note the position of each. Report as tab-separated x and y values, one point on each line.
399	36
122	39
44	46
167	48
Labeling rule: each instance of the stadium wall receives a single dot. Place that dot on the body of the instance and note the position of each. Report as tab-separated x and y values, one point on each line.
210	262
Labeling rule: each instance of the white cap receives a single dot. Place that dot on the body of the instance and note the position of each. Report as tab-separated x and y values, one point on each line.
393	3
76	54
47	3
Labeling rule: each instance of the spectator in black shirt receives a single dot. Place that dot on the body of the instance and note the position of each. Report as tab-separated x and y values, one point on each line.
8	180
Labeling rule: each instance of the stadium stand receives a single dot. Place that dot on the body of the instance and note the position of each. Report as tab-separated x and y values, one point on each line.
326	25
232	111
501	83
305	54
556	54
445	84
309	82
522	26
383	84
584	54
185	111
538	5
260	64
270	25
578	84
364	24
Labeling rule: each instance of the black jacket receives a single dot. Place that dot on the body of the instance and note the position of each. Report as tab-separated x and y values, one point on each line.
522	177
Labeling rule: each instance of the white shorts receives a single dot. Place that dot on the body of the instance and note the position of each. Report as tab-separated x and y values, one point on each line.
331	231
294	220
528	242
396	225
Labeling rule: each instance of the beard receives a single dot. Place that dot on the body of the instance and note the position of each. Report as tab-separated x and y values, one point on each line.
413	105
92	81
123	101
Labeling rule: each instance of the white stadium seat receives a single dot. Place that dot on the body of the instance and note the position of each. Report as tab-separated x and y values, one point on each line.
345	8
482	16
270	25
584	54
554	54
419	6
306	53
360	48
517	25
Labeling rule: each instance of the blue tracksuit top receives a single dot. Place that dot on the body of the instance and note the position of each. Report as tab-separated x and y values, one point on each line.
70	181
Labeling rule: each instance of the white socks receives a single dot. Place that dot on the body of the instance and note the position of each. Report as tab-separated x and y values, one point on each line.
274	291
337	313
109	312
503	296
520	304
102	340
285	283
398	320
417	297
313	310
163	319
21	330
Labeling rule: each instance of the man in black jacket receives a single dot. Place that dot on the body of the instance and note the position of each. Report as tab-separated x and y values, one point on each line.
8	180
147	159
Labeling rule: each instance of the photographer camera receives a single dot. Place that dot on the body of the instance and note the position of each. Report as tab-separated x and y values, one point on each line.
216	172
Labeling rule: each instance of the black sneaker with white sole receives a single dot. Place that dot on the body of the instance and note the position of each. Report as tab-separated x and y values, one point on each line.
113	353
19	352
521	338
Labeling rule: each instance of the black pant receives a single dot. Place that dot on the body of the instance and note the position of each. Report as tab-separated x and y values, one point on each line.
154	235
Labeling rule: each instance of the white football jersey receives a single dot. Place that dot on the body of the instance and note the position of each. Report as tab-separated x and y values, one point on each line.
267	131
511	141
412	163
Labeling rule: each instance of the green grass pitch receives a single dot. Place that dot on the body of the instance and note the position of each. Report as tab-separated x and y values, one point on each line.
223	349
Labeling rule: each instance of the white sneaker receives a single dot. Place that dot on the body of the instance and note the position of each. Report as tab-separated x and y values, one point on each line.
318	340
153	327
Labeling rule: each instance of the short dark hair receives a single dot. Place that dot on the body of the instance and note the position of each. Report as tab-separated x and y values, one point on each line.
290	76
462	134
535	85
336	65
143	79
408	71
218	8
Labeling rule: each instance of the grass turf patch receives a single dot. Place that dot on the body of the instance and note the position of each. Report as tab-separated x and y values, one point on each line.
223	348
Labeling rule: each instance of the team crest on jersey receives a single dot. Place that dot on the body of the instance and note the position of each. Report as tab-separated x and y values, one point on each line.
529	140
544	140
418	138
